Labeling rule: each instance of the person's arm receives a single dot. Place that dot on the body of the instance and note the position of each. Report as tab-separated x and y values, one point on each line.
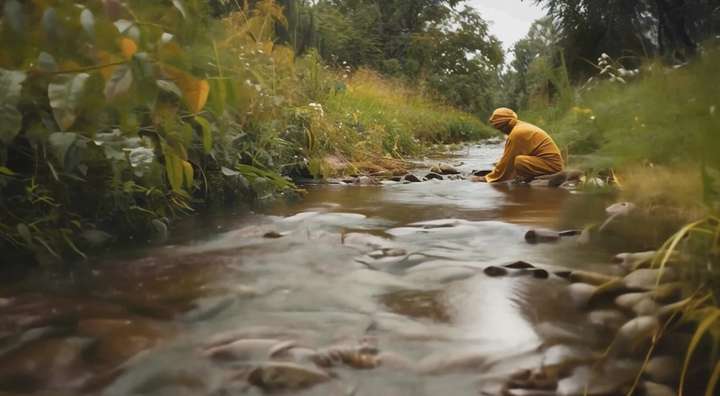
504	168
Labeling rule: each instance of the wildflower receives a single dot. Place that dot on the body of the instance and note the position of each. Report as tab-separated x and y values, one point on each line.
318	108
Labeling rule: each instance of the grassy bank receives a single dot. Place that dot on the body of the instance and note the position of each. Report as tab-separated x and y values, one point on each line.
144	112
659	132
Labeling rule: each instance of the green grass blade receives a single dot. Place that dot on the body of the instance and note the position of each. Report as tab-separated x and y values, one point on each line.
701	329
713	381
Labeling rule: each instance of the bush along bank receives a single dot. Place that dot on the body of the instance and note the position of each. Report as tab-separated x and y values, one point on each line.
118	117
657	128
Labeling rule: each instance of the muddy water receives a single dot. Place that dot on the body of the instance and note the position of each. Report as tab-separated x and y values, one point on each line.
386	281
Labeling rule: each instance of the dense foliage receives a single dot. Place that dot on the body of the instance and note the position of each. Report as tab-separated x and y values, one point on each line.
119	116
637	29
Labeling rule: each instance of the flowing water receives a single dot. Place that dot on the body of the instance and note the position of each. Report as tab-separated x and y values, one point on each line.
386	281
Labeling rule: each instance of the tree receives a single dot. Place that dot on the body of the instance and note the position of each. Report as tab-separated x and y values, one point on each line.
668	28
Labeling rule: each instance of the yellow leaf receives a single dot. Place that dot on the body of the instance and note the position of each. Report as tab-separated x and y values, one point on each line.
106	58
188	174
195	91
128	47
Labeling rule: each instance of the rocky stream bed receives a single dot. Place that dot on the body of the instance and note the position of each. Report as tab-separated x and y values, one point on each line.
399	288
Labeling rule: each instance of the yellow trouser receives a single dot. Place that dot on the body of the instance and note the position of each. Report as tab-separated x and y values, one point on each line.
528	166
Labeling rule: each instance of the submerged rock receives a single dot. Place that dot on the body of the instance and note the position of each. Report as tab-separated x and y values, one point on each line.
629	300
592	278
433	176
655	389
607	318
286	376
494	271
519	265
444	169
540	236
633	261
649	278
665	369
412	178
581	293
638	329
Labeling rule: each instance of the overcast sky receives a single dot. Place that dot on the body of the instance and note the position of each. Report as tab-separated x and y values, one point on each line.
509	19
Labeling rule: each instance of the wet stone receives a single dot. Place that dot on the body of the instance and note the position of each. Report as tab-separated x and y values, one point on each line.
444	169
519	265
272	235
433	176
541	236
417	304
286	376
649	278
665	369
412	178
494	271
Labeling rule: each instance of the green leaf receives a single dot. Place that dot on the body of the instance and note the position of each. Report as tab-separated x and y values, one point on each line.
181	7
10	118
218	96
229	172
702	327
207	137
50	22
46	62
188	174
24	232
65	92
13	15
169	86
119	83
6	171
87	20
11	85
10	123
63	143
173	168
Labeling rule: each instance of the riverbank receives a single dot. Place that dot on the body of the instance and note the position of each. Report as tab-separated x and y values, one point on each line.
130	126
377	288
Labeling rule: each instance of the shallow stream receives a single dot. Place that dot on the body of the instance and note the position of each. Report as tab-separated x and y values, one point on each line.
386	283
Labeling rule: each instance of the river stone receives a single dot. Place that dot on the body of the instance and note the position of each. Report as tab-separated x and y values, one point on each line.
247	349
540	236
629	300
286	376
412	178
494	271
607	318
663	369
537	273
539	183
519	265
632	261
433	176
668	292
444	169
646	307
592	278
441	275
387	252
581	293
648	278
655	389
639	328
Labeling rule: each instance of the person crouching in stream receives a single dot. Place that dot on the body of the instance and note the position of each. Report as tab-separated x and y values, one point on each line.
529	151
